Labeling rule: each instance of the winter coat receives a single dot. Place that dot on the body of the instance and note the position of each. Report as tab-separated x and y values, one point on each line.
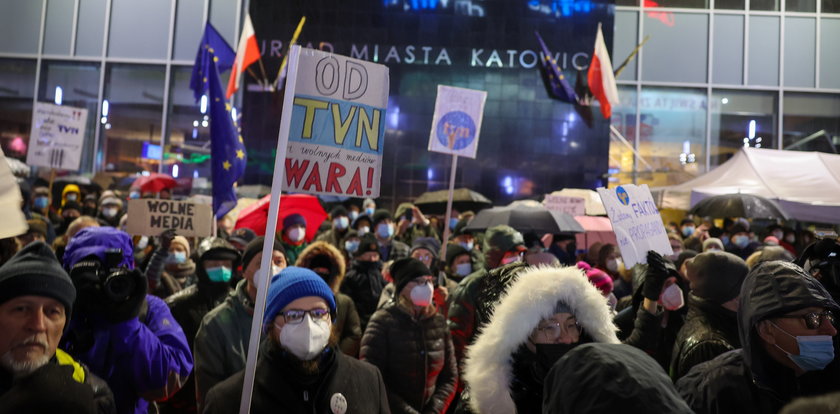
292	251
709	330
141	361
472	302
32	394
393	250
167	279
609	378
415	357
532	297
221	344
278	387
749	380
364	284
333	237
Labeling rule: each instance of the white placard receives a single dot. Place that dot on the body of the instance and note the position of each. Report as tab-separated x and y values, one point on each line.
636	222
57	137
337	129
456	124
574	206
153	216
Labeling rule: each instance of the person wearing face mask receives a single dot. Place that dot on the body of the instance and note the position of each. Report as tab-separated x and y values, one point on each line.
788	241
384	230
369	207
362	224
787	327
364	281
740	243
217	260
110	210
349	245
221	343
410	343
327	262
687	227
299	367
340	226
712	244
89	205
711	325
69	212
411	224
458	263
170	269
72	193
293	236
467	240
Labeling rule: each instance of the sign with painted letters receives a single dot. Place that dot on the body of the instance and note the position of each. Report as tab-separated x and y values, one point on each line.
337	128
575	206
151	217
57	136
457	121
636	222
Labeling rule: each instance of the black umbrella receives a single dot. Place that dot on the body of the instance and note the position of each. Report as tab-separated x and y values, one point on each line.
526	219
463	199
739	205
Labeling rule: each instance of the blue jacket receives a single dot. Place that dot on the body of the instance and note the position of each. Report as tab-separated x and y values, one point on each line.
141	362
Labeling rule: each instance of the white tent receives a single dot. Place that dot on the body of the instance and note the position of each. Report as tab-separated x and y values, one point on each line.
806	184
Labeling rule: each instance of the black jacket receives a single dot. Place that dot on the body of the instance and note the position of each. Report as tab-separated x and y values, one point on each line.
364	283
749	380
709	330
415	357
609	378
278	387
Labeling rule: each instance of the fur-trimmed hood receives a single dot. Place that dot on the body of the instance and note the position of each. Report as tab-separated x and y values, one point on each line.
320	248
488	368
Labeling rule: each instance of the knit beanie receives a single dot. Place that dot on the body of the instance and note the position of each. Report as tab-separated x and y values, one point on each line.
405	270
717	276
381	215
338	211
36	271
256	246
712	241
182	241
454	250
242	236
293	219
429	243
291	284
38	226
597	277
367	243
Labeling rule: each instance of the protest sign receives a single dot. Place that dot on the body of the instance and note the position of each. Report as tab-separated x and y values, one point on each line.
636	222
574	206
151	216
14	222
57	136
337	129
456	123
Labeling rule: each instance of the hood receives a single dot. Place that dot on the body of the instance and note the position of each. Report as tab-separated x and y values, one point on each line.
70	188
214	248
321	248
96	241
533	296
774	288
401	210
610	378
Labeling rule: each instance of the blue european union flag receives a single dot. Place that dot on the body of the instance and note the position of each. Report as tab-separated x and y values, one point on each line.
227	149
555	82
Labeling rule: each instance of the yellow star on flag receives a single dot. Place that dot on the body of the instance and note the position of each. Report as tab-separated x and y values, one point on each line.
240	154
226	165
227	106
241	140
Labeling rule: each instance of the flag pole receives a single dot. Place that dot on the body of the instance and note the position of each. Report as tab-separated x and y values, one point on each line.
291	43
631	56
270	234
448	216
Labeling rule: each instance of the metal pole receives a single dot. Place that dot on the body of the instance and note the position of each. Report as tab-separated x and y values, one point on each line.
445	239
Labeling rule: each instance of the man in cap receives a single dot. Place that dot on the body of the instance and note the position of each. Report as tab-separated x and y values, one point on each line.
340	224
300	368
240	238
36	302
221	343
293	236
786	324
124	335
384	230
711	326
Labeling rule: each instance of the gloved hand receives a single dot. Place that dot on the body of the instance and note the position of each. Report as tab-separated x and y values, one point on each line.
50	389
119	311
655	276
166	240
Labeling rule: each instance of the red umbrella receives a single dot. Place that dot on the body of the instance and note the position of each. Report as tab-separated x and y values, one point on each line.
255	216
154	183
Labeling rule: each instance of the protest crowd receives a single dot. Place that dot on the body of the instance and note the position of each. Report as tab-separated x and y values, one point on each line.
366	314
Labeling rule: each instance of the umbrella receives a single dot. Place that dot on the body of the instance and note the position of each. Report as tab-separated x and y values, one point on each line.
596	229
526	219
739	205
154	182
255	216
594	205
463	199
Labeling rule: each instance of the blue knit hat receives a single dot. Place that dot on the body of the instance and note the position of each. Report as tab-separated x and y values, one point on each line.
294	283
293	219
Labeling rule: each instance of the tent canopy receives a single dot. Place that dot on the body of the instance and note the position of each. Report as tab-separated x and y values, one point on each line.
806	184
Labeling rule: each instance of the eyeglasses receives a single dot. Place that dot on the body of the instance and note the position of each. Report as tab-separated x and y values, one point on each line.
295	316
554	330
422	280
813	320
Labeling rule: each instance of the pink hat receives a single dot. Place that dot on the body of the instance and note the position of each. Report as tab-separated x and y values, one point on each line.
598	278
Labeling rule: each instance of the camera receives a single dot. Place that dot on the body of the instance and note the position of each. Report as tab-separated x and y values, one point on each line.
113	280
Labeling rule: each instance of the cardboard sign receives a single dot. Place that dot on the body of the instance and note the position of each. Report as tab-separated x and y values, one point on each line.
636	222
57	136
150	217
337	128
456	124
574	206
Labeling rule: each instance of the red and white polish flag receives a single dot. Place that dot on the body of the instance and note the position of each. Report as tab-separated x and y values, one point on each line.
601	78
247	52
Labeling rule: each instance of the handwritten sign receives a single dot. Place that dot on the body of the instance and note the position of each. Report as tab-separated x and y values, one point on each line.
337	129
150	217
456	123
575	206
57	136
636	222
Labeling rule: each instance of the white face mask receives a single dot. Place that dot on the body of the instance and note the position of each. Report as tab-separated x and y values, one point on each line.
142	243
297	234
463	269
307	339
341	223
672	298
110	212
259	275
613	265
421	295
363	230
